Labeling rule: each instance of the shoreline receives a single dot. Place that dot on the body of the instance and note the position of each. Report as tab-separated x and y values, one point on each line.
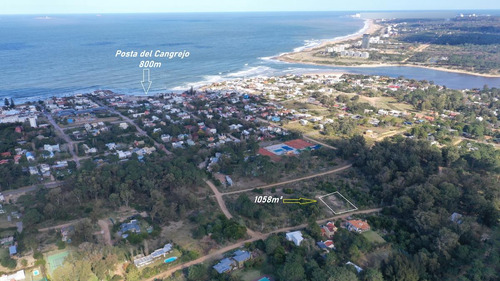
398	65
369	27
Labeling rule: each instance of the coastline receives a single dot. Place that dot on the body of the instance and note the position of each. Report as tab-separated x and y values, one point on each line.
397	65
369	27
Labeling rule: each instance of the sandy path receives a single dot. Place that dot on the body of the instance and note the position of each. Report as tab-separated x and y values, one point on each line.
221	251
104	224
223	207
318	142
291	181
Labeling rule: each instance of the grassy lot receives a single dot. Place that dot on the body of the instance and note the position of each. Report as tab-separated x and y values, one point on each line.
292	104
295	126
248	274
82	121
181	234
373	237
385	103
55	259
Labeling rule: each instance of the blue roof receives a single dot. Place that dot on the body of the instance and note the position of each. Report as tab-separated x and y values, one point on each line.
241	256
167	248
224	265
131	226
66	112
13	250
321	245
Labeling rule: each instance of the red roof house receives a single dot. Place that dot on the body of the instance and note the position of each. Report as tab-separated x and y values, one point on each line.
357	226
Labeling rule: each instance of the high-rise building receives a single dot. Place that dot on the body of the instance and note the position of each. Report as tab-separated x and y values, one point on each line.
366	41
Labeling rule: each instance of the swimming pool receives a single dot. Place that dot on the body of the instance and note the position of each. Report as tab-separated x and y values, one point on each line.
264	279
170	259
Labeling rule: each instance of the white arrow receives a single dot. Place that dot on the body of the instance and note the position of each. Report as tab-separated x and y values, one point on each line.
146	81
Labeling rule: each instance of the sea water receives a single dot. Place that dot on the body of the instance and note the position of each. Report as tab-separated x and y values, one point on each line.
49	55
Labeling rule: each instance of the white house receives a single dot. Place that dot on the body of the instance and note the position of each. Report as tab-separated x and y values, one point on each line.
295	237
18	276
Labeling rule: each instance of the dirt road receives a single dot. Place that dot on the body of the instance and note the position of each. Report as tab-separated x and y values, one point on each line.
318	142
59	226
104	224
223	207
291	181
221	251
254	235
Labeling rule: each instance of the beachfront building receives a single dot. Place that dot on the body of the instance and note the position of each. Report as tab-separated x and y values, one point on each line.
355	54
365	44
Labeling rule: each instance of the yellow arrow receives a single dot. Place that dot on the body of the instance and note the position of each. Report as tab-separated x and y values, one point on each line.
301	201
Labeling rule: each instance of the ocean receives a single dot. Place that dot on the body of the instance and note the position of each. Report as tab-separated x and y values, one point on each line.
42	56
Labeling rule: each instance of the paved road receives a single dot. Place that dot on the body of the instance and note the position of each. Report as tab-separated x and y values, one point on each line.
291	181
221	251
131	122
62	134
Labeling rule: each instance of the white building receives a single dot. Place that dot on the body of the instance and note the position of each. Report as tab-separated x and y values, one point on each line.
295	237
143	261
33	122
18	276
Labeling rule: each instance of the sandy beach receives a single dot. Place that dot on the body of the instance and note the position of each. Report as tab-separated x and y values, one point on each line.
369	27
303	56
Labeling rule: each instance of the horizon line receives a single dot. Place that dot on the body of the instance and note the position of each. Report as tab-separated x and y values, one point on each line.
255	11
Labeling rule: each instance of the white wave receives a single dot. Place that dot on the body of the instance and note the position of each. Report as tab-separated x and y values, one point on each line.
251	72
308	44
244	73
359	32
44	18
207	80
316	42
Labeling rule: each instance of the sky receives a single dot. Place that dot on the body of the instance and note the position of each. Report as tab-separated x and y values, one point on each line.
42	7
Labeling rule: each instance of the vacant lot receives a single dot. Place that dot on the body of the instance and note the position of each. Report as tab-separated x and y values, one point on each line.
373	237
337	203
